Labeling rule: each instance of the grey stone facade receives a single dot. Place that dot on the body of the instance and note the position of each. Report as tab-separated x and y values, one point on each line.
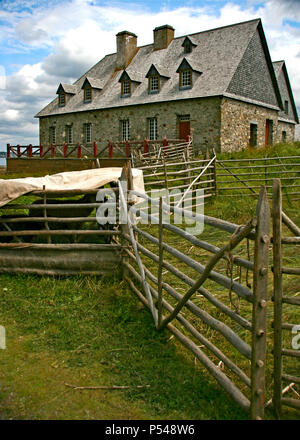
235	91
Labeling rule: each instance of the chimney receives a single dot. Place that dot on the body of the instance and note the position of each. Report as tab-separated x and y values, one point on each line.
126	48
163	35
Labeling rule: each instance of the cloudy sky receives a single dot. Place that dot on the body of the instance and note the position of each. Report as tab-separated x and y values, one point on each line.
43	43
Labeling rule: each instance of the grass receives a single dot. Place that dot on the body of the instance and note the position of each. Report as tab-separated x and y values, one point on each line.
89	331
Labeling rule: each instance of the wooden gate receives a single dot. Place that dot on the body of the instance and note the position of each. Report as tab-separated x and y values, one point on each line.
285	355
244	377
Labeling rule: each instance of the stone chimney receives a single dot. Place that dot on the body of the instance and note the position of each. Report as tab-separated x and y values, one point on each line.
126	48
163	35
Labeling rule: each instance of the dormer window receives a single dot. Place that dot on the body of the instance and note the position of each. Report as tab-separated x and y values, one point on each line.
87	95
153	84
188	73
188	45
62	99
65	92
185	78
126	87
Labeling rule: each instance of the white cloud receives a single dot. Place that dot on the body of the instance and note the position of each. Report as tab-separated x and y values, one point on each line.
79	33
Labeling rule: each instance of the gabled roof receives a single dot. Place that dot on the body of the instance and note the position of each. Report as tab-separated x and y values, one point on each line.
189	64
217	55
158	70
132	76
280	69
190	40
66	88
93	82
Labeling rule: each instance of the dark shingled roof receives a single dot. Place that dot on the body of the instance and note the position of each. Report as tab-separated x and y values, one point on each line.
217	55
285	90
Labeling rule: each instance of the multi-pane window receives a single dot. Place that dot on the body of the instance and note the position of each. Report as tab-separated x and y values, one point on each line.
69	134
87	94
52	135
154	83
125	87
61	99
88	133
125	130
186	78
286	107
253	135
152	129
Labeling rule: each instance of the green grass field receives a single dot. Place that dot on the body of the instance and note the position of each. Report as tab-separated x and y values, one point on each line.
88	331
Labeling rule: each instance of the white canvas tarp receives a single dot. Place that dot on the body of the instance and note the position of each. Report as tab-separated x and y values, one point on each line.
11	189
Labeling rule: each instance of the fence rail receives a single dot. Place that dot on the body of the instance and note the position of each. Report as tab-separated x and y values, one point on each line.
236	177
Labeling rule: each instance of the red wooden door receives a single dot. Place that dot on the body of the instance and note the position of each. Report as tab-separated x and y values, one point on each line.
267	132
184	129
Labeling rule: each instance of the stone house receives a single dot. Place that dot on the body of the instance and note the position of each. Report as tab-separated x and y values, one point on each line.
219	85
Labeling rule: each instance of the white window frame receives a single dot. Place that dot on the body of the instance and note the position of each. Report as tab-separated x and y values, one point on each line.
69	134
152	129
126	87
186	79
88	133
125	130
153	83
52	135
62	99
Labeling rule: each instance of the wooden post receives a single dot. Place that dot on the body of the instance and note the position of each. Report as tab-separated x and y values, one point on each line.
110	149
65	149
127	148
215	173
8	151
52	150
45	213
18	150
277	293
41	150
95	149
165	147
79	151
259	313
160	265
146	146
29	150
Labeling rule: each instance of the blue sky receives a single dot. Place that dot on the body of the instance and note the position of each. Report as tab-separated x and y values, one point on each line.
43	43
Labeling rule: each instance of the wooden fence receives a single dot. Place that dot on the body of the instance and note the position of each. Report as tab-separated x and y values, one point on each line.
56	236
136	149
148	273
285	305
236	177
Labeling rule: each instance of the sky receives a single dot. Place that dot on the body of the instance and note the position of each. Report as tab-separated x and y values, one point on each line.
45	42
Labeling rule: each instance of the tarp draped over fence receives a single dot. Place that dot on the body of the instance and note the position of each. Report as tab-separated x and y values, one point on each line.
11	189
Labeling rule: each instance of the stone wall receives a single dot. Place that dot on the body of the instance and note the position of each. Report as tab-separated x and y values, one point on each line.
236	117
106	124
289	130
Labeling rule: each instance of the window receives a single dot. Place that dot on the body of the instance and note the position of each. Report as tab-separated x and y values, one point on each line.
88	133
125	130
69	134
52	135
283	136
126	87
253	135
87	94
185	79
286	107
61	99
153	83
152	129
187	47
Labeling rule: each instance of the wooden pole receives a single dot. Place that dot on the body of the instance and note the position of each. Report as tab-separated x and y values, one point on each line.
277	293
45	213
259	313
160	253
